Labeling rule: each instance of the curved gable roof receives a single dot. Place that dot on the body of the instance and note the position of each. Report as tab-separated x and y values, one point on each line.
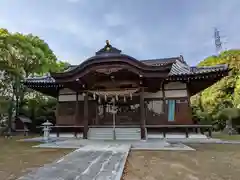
111	55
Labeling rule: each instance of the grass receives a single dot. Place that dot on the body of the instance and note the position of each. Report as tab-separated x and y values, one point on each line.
18	158
209	162
220	135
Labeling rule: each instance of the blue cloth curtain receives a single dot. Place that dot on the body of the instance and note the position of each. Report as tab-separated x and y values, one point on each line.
171	110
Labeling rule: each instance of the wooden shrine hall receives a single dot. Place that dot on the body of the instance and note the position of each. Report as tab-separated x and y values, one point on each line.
113	90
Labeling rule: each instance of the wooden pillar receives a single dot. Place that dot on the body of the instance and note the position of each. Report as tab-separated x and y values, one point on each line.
187	134
142	115
85	123
164	97
76	115
57	115
164	108
57	108
76	109
97	117
210	132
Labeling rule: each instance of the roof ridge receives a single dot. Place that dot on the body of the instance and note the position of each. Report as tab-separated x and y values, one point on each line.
153	59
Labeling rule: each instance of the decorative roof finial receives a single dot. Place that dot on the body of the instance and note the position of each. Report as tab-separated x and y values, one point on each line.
108	49
108	46
107	43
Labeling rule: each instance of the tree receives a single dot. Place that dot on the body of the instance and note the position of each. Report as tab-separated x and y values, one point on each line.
229	114
224	93
22	56
10	49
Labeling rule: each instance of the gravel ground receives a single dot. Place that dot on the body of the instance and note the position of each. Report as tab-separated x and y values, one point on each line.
209	162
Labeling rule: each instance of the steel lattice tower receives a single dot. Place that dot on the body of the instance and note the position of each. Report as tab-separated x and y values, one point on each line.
218	43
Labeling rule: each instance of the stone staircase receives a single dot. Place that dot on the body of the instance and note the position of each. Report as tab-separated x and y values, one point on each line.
120	133
100	133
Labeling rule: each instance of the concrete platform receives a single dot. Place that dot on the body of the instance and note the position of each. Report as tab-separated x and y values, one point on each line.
150	135
150	144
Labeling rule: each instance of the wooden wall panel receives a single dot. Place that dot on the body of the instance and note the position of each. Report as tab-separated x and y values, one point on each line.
176	93
183	113
175	85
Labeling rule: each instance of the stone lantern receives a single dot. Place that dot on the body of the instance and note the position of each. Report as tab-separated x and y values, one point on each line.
46	130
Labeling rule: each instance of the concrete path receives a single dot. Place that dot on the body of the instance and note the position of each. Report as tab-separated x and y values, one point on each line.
91	162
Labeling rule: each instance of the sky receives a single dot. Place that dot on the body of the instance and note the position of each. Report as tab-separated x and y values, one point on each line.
144	29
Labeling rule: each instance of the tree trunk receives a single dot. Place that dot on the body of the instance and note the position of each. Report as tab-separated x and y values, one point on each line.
10	115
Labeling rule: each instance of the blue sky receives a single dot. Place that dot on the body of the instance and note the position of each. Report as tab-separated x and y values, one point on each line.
75	29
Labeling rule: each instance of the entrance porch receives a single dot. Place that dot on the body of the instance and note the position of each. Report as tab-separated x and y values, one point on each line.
105	111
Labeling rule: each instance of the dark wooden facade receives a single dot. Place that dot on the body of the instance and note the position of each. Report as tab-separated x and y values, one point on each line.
150	92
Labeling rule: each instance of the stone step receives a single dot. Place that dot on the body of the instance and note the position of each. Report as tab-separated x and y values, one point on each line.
120	133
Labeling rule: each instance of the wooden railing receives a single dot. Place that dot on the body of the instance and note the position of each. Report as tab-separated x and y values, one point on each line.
58	128
185	127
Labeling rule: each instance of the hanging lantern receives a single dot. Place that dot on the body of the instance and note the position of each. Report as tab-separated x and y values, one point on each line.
94	96
131	96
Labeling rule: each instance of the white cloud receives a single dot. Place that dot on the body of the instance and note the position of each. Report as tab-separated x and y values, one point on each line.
113	19
92	25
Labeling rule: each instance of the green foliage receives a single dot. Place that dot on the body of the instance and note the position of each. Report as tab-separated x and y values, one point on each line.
21	56
223	97
229	113
39	109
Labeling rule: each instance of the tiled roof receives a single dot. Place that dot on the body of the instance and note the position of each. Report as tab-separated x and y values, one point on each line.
42	79
149	62
209	68
179	68
160	62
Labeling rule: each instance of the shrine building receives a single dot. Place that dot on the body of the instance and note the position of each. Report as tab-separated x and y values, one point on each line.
112	90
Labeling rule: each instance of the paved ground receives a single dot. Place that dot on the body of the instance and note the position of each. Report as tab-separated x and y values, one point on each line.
102	162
